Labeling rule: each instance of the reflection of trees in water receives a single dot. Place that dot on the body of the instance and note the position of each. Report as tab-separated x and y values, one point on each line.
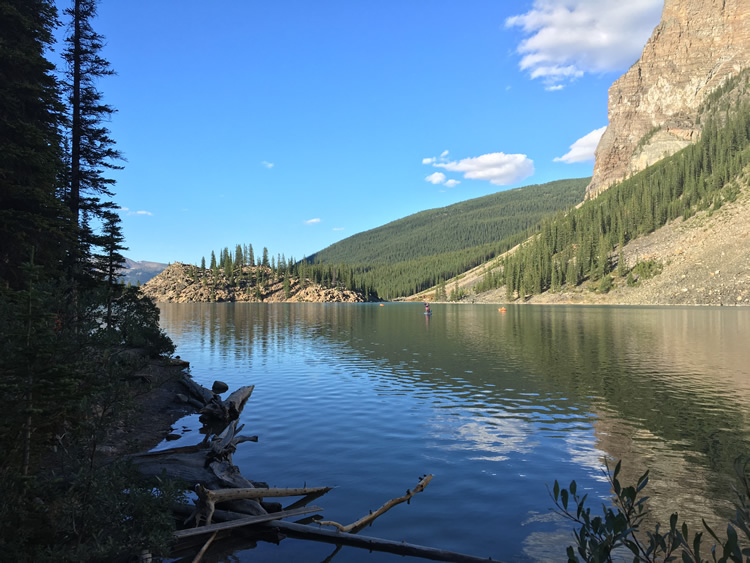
670	390
665	389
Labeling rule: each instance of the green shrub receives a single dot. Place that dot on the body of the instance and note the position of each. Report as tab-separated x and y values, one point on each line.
620	527
644	270
136	320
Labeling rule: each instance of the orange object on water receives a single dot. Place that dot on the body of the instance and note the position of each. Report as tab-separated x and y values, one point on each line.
502	309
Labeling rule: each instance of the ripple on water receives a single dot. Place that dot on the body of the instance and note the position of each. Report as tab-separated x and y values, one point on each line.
496	410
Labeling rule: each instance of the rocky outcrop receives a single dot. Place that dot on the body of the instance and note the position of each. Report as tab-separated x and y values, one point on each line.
653	108
182	283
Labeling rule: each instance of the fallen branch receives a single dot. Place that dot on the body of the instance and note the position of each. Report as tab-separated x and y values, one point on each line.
205	547
373	544
228	410
207	498
355	527
245	521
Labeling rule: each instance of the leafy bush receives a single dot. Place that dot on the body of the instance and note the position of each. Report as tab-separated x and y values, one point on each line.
136	320
620	526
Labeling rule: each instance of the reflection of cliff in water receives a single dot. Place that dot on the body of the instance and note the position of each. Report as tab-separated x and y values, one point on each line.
664	389
669	388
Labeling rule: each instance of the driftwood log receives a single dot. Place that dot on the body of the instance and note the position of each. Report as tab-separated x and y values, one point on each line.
234	502
365	521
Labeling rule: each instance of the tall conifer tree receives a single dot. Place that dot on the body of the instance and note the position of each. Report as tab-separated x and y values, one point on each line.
92	150
31	216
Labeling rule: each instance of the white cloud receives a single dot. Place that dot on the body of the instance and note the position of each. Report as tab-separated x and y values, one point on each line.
436	177
498	168
583	149
267	164
338	228
452	183
312	221
444	154
137	212
428	160
567	38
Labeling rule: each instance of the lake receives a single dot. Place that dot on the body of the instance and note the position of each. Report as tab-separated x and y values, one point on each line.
495	405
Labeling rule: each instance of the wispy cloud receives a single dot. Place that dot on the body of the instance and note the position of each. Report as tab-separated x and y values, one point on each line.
267	164
497	168
338	229
583	149
312	221
567	38
141	212
451	183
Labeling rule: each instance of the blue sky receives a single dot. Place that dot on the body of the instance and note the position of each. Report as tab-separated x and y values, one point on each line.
295	124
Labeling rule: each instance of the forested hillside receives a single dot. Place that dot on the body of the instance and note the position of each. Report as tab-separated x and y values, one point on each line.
586	244
419	251
464	225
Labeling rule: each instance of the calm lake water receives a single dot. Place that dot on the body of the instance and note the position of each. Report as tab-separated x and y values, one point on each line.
497	406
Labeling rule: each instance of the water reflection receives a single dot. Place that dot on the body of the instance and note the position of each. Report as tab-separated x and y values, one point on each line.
496	404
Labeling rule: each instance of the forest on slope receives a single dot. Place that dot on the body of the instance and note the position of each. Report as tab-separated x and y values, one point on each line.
392	261
427	248
463	225
586	244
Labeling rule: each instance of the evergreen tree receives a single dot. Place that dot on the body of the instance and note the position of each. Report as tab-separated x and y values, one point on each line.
31	215
111	261
239	259
91	147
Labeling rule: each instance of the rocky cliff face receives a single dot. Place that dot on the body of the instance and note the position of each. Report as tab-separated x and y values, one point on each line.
653	108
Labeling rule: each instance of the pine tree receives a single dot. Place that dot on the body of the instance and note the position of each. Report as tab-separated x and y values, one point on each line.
239	258
31	214
111	261
91	147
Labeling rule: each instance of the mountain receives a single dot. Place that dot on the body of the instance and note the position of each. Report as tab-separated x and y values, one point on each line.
391	261
135	273
457	227
654	107
676	233
427	248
